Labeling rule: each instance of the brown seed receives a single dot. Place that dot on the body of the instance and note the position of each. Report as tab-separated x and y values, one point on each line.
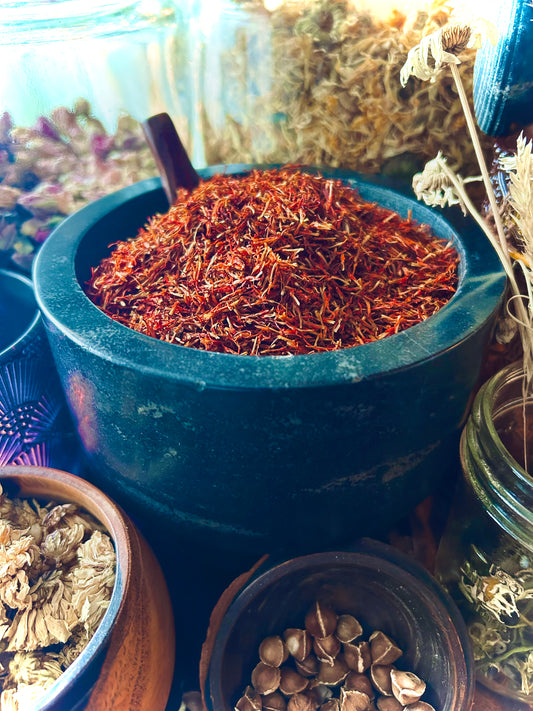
249	701
406	686
307	667
359	682
330	705
265	679
333	674
383	649
421	706
321	620
298	643
273	651
326	648
274	702
353	700
357	656
388	703
291	682
348	628
320	691
380	677
301	702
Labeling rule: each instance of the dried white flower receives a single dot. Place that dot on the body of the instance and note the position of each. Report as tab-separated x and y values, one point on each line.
443	47
435	187
57	572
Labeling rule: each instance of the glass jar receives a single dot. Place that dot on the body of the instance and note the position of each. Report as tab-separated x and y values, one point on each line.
318	82
77	78
485	558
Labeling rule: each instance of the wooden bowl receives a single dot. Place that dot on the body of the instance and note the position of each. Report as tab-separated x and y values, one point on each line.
129	662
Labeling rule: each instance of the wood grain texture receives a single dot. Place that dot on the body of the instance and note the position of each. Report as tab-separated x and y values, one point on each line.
139	666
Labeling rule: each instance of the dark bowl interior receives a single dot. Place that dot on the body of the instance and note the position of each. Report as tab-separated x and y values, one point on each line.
382	588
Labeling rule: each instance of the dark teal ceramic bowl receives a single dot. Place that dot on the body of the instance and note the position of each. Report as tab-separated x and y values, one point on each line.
272	452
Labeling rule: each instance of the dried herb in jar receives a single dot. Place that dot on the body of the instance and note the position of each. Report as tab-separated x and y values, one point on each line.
57	572
275	262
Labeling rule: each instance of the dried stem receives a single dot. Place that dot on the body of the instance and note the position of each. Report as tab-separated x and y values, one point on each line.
481	160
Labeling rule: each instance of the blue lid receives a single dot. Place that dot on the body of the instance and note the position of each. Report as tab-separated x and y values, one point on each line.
503	73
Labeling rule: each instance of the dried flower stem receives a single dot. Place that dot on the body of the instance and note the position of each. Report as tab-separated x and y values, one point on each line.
481	161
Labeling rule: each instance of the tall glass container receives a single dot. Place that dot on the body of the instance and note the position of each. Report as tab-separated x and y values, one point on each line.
485	558
77	78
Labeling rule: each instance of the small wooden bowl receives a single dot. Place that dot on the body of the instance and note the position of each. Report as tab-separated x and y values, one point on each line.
129	662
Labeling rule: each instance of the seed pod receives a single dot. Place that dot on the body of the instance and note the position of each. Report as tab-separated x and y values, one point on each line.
354	700
388	703
333	674
326	648
320	620
320	691
301	702
291	682
406	686
380	677
273	651
348	628
249	701
330	705
265	679
274	702
298	643
359	682
383	649
307	667
421	706
357	656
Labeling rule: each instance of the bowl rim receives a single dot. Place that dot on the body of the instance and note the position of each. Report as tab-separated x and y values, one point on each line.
62	299
30	329
366	552
44	480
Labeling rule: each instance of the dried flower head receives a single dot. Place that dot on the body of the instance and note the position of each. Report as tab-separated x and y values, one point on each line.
434	187
443	47
57	572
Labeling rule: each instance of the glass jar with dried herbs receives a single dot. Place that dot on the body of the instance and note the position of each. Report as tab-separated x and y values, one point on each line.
485	557
76	80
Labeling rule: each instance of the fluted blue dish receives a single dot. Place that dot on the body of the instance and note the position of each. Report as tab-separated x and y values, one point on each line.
259	453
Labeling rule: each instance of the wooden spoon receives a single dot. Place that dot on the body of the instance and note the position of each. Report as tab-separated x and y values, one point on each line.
171	158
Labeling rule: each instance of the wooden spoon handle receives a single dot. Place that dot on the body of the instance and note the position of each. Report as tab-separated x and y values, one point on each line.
171	157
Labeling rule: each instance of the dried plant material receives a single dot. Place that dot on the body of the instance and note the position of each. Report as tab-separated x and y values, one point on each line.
324	90
57	572
331	684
